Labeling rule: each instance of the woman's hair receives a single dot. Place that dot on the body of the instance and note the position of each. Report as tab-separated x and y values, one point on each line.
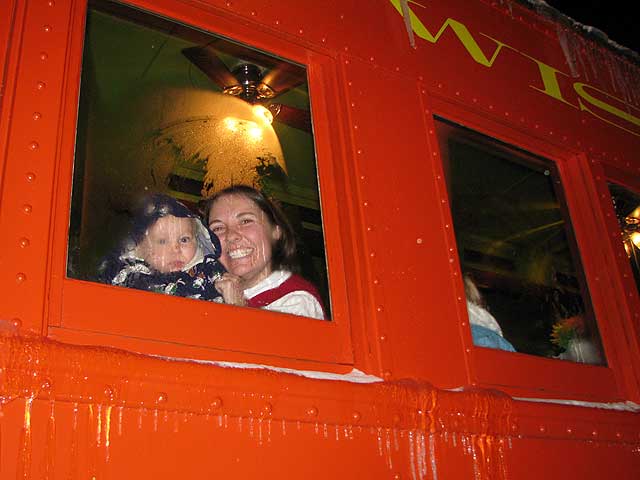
284	255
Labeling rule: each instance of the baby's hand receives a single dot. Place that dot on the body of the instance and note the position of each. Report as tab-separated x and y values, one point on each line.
229	287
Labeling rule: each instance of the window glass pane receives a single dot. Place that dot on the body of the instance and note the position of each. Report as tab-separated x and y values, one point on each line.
627	206
524	284
172	110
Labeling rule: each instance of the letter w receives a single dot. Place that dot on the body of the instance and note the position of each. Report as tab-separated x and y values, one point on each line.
459	29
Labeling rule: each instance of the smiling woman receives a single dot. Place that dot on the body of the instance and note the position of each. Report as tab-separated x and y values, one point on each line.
186	114
258	251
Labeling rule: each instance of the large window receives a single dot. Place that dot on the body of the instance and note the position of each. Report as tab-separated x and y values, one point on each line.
168	109
525	287
627	207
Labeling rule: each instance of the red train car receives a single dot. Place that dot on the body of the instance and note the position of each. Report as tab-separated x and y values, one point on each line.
463	183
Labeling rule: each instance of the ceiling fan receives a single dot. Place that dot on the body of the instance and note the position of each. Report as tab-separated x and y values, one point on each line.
252	82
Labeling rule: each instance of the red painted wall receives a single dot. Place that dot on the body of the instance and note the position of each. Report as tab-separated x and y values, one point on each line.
76	402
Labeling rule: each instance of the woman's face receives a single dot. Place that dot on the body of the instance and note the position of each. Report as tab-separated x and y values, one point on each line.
246	236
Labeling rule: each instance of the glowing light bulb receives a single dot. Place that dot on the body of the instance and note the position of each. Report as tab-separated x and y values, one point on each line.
255	132
263	113
231	124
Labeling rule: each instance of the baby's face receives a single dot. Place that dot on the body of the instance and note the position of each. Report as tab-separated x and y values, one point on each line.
169	244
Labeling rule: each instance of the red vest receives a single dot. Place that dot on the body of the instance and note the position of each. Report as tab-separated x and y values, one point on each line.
292	284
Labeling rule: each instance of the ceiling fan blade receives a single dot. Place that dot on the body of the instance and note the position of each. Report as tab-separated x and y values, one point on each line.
206	59
284	77
294	117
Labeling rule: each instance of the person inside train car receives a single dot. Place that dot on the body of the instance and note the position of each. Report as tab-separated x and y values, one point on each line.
168	250
259	253
485	330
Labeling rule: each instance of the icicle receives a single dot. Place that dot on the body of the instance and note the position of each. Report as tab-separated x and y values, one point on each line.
406	14
432	457
567	50
412	456
120	412
107	432
51	441
24	460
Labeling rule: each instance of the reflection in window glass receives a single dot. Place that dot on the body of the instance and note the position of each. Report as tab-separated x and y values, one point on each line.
167	109
523	280
627	206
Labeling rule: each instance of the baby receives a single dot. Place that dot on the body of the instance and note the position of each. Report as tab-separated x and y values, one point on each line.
169	250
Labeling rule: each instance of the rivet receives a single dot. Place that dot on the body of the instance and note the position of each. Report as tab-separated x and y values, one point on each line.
365	204
30	176
464	324
439	85
24	242
376	281
216	403
47	28
109	392
467	350
397	69
419	241
253	14
457	94
41	85
355	127
34	145
27	208
43	56
372	254
36	116
379	309
569	430
312	411
359	151
300	31
341	17
277	22
361	177
162	397
51	3
323	40
346	48
618	435
542	428
594	433
451	260
371	59
490	107
346	62
383	338
267	409
20	277
17	323
355	416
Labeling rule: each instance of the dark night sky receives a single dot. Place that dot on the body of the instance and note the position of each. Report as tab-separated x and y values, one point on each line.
613	17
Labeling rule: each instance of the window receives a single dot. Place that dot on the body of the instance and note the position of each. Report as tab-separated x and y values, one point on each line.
627	208
165	108
526	291
154	118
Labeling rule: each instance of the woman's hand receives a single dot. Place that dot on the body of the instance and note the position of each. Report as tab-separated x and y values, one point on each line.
229	287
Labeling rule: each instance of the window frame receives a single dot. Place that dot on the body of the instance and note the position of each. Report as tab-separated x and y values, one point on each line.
524	375
205	330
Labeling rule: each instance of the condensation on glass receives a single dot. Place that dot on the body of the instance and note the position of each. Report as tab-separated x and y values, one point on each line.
627	206
170	109
525	288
